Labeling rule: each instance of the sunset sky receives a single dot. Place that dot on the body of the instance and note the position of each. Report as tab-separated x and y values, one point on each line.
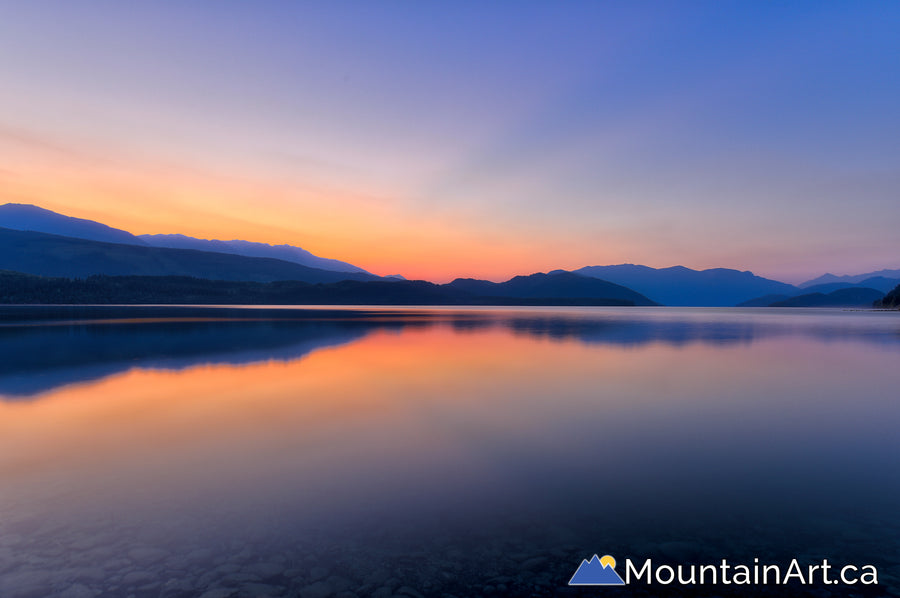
487	139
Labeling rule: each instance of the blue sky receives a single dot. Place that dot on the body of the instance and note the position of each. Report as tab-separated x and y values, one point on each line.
469	138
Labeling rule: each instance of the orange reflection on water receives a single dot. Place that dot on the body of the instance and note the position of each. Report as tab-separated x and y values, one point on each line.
415	400
380	394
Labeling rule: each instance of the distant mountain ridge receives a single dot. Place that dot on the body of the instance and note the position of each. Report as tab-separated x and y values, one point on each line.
18	216
849	278
876	282
54	255
764	301
849	297
64	256
26	217
681	286
288	253
38	241
555	285
19	288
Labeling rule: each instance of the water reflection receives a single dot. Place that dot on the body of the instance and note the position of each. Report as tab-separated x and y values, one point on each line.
452	453
42	348
37	358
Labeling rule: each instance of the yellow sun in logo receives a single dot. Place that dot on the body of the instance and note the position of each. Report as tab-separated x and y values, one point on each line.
608	561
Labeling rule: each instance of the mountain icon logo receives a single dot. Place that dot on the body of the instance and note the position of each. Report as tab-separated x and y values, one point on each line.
597	572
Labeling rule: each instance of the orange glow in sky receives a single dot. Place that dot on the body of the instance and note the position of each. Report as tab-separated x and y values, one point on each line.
372	232
419	141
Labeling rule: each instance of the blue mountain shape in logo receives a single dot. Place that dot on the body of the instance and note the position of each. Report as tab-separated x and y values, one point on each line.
594	573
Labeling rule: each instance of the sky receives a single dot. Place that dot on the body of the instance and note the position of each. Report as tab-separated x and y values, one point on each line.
482	139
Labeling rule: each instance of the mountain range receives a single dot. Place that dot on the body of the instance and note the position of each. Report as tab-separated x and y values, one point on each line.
879	283
537	289
41	242
680	286
27	217
55	255
555	285
23	217
288	253
848	297
723	287
851	279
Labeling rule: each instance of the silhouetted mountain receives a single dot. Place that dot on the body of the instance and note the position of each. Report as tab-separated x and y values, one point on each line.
891	300
287	253
849	278
764	301
876	282
879	283
17	288
33	218
53	255
852	297
19	216
823	288
679	286
552	285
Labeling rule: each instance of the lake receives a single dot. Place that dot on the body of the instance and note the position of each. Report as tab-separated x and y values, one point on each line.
180	452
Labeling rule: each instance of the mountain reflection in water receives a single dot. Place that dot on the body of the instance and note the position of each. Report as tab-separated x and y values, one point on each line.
186	452
42	348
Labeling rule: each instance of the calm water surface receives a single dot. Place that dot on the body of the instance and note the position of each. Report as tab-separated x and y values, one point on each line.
187	452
